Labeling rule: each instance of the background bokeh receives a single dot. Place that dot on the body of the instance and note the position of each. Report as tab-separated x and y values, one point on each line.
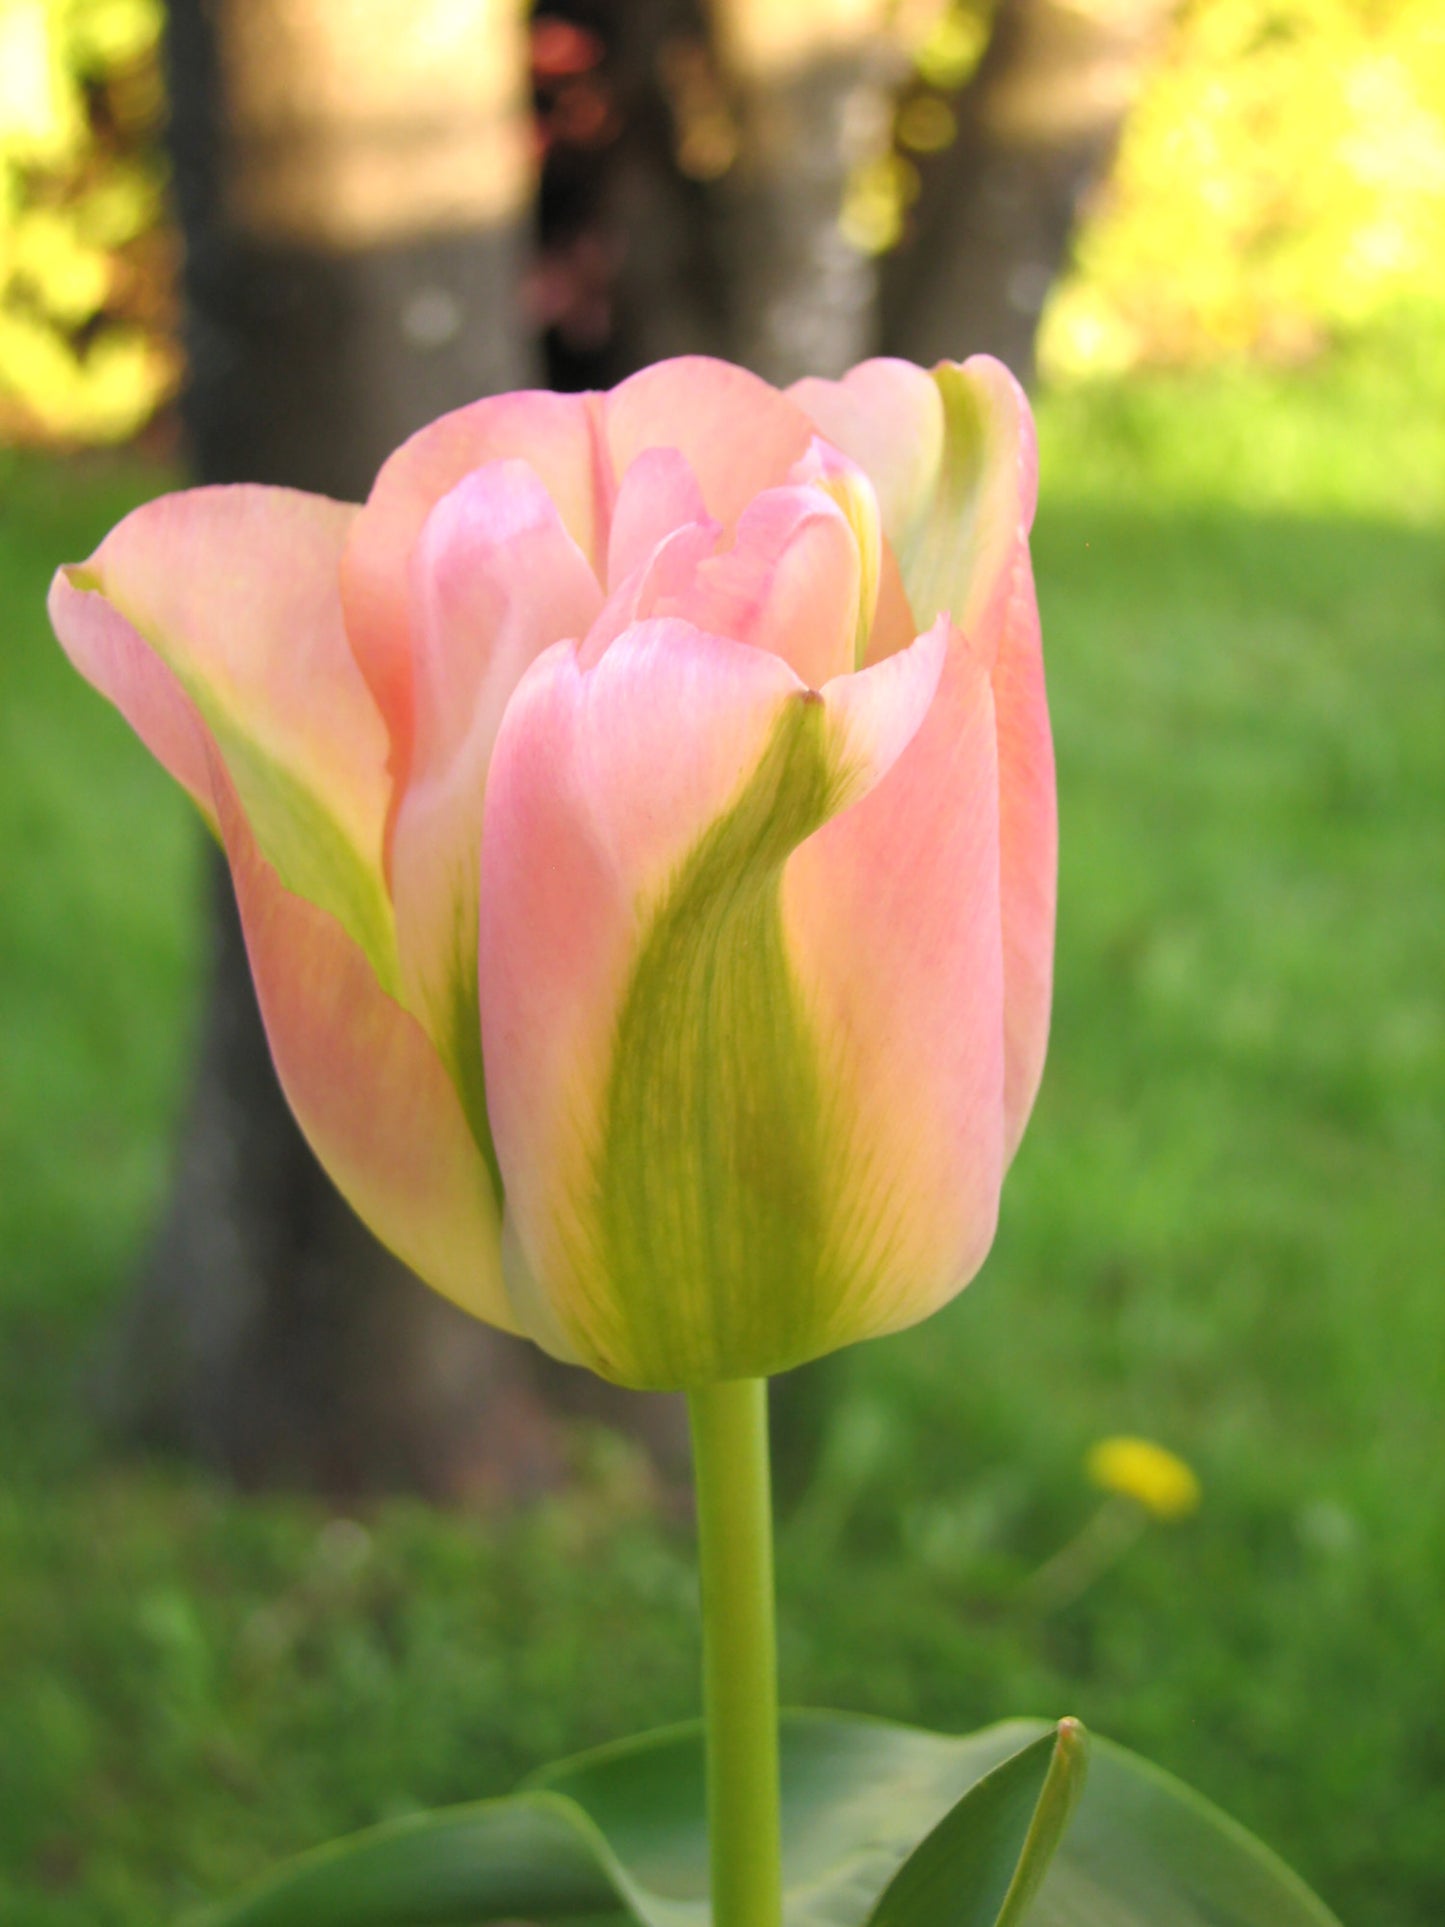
1224	1229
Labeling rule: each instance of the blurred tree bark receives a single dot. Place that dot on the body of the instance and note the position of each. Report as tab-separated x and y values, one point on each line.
1037	128
358	218
357	210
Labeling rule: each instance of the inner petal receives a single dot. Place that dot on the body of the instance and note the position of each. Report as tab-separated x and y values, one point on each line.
885	621
791	583
658	494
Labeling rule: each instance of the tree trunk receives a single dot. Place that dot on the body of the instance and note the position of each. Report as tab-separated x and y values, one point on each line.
356	212
1037	128
812	83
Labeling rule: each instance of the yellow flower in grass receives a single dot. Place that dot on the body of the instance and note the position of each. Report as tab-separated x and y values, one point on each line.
1152	1476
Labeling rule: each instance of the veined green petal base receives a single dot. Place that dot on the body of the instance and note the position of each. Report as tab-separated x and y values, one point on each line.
883	1826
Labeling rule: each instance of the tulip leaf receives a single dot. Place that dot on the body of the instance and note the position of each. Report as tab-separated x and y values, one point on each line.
500	1859
983	1863
883	1826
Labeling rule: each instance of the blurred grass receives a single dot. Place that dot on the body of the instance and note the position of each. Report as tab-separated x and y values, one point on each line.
1224	1231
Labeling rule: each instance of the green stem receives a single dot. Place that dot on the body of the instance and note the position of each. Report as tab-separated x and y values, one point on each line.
740	1669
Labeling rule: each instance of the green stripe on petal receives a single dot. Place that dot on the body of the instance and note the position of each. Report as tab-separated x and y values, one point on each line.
713	1180
310	851
235	592
459	1040
937	556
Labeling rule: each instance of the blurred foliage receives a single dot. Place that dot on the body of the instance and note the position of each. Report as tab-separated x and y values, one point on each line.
1280	183
939	44
86	317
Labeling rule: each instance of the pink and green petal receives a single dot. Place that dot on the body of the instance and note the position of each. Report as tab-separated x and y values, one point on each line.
106	650
993	465
1029	842
888	417
845	484
955	462
367	1088
648	1086
234	591
495	580
953	458
663	1119
892	928
555	434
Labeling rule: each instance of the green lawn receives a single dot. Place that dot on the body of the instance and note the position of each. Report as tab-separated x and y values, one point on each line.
1225	1230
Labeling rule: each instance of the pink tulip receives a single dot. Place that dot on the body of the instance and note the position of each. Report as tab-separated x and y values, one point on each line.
641	810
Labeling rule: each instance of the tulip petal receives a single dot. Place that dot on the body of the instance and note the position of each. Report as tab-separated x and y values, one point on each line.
233	594
656	495
994	462
892	919
668	572
657	1112
366	1085
555	434
888	416
102	645
845	483
495	579
1028	841
738	435
791	582
953	457
875	714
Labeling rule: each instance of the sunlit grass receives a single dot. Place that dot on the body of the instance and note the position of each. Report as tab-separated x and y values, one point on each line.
1223	1232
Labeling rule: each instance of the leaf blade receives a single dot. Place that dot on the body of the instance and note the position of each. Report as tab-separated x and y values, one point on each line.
985	1860
531	1855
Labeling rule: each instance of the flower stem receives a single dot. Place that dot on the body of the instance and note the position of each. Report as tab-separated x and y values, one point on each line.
740	1670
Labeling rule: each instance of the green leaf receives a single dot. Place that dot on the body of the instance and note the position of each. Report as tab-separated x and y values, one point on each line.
499	1860
858	1796
883	1825
984	1861
1144	1850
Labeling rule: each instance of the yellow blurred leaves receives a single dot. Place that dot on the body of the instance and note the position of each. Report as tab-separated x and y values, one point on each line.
875	201
81	357
1281	181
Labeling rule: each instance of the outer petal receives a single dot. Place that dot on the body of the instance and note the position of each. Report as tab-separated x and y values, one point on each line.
953	457
660	1118
1029	839
554	434
496	579
221	606
739	435
892	921
366	1085
106	650
888	416
602	783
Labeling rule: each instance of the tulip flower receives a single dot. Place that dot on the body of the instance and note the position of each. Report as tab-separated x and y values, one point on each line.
641	813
